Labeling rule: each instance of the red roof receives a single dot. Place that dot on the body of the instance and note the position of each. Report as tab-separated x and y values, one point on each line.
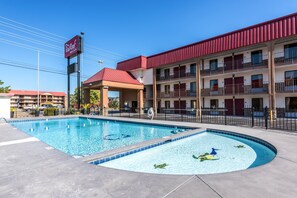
264	32
113	75
133	63
33	93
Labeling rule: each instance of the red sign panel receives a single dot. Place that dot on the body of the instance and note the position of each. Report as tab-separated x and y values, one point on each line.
72	47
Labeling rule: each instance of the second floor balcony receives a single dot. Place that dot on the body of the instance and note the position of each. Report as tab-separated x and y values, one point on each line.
236	89
175	76
286	87
234	66
176	94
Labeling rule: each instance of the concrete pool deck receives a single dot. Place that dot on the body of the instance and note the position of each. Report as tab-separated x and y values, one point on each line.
30	168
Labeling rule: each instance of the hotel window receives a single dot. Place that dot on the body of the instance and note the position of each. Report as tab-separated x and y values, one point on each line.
257	104
167	104
193	68
214	103
167	73
193	104
290	51
291	78
213	64
257	81
291	104
167	89
193	87
256	57
214	85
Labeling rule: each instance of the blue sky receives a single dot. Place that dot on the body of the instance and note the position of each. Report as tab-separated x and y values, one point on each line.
122	29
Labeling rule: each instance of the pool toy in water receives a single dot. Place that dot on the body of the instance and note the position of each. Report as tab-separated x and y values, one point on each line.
239	146
161	166
207	156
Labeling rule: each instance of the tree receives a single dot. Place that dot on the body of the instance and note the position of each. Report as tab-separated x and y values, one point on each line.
94	97
4	89
114	103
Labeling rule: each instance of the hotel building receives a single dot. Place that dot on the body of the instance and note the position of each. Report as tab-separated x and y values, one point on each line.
251	67
28	99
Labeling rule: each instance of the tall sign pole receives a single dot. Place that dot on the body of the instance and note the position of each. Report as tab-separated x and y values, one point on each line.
68	85
73	48
78	81
38	69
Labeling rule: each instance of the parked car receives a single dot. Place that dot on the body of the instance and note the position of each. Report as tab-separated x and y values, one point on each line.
44	106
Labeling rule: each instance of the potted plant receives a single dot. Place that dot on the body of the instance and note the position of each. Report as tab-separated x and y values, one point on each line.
12	110
37	112
85	108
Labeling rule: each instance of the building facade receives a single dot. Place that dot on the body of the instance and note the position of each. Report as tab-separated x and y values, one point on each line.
25	99
251	67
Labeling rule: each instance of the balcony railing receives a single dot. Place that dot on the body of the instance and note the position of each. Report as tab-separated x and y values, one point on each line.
227	67
282	87
176	76
166	94
280	61
147	95
235	90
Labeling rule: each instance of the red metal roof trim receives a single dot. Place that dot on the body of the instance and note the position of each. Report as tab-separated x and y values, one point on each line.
263	32
133	63
33	93
113	75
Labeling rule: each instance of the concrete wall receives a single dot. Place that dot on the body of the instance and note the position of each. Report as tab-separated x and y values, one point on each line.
5	106
144	76
128	96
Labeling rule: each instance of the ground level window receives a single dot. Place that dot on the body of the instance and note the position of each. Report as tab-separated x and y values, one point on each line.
257	104
291	104
167	104
193	104
214	103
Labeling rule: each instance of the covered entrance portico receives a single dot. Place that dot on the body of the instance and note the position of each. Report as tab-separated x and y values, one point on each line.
130	90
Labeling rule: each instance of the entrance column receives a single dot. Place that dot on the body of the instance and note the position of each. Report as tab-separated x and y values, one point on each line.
140	100
104	100
198	89
86	96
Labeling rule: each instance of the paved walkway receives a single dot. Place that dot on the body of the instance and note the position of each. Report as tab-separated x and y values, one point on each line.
30	168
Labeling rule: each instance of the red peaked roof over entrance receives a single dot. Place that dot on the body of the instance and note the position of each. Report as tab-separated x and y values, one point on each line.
113	75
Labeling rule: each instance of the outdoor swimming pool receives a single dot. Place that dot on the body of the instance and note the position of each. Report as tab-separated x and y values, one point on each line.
204	153
84	136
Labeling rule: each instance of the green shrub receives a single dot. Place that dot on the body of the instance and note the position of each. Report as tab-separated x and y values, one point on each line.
51	111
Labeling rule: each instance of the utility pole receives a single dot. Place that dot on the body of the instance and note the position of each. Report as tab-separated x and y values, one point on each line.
38	68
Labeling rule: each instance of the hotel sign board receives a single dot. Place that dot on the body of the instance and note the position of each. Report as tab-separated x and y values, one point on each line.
73	47
72	68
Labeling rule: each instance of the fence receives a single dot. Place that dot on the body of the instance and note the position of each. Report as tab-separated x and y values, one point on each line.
262	118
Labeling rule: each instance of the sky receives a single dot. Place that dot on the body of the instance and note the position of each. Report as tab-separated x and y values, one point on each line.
115	30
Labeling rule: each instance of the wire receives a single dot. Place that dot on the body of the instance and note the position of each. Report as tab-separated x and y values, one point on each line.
60	39
32	27
24	38
30	47
31	67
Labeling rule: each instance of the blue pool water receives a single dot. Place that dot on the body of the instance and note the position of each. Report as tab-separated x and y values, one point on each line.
234	153
82	136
